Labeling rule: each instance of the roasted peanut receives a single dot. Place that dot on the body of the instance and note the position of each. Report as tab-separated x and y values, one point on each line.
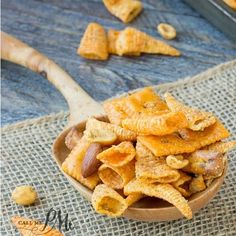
90	163
72	138
24	195
166	31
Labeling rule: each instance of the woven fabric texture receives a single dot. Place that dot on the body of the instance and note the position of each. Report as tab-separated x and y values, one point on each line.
26	159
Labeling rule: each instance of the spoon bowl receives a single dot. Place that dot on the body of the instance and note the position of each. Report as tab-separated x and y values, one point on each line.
146	209
81	107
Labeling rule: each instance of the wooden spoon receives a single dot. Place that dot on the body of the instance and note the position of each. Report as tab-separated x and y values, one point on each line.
82	106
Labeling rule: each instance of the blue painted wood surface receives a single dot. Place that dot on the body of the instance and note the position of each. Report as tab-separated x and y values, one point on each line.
56	27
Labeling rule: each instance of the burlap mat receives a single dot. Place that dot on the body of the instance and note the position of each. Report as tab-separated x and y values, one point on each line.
26	154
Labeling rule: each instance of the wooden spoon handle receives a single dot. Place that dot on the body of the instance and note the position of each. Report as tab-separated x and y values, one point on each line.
81	105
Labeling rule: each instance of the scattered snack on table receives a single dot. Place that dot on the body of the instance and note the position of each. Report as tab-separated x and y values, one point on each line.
125	10
150	148
24	195
167	31
131	41
231	3
28	227
94	43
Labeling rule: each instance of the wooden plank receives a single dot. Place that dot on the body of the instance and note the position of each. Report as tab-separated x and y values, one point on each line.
56	27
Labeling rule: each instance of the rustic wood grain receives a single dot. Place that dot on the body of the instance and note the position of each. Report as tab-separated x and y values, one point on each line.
56	27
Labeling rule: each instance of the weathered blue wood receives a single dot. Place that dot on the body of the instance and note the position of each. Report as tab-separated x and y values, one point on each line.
56	27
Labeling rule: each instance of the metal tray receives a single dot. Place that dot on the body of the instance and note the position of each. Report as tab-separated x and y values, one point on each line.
218	13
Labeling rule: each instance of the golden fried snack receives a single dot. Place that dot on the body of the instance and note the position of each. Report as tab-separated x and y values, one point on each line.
133	197
122	134
156	124
101	136
222	147
153	169
145	101
132	41
182	184
208	163
116	177
192	140
197	184
112	39
198	120
73	163
163	191
167	31
231	3
118	155
33	227
176	162
125	10
114	110
107	201
94	43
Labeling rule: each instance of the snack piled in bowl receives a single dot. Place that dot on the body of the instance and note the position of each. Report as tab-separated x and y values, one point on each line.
151	147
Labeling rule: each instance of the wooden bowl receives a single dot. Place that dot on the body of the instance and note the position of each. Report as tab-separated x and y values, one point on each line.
146	209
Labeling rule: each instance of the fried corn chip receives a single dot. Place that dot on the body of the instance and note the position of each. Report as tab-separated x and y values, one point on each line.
107	201
197	184
173	144
112	39
29	227
156	124
153	169
206	162
182	184
118	155
132	41
72	165
222	147
114	110
163	191
122	134
145	101
94	43
176	162
125	10
134	197
198	120
116	177
143	152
